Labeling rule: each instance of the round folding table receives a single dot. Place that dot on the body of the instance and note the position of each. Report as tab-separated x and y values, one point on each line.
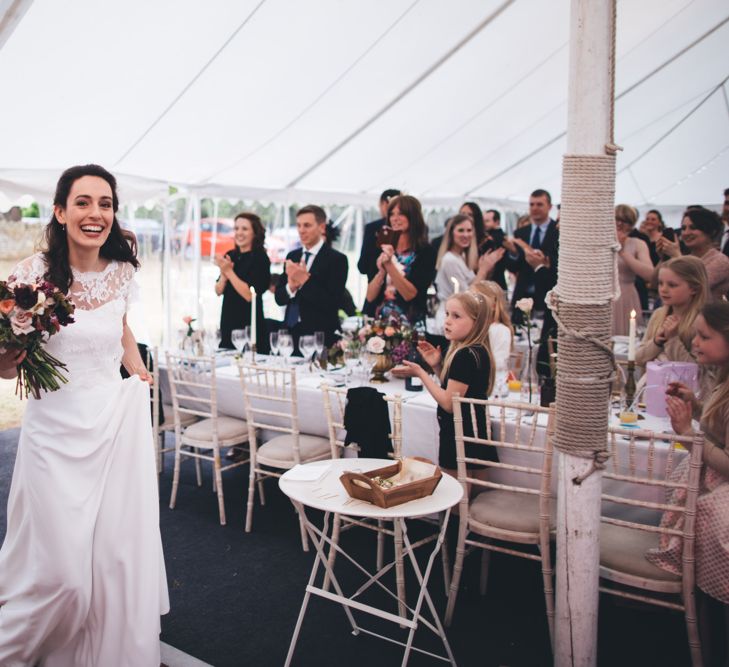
325	492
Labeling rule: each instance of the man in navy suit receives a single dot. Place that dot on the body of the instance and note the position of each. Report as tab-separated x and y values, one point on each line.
533	252
367	263
316	277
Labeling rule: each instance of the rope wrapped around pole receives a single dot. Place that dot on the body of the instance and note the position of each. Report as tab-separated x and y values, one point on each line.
582	304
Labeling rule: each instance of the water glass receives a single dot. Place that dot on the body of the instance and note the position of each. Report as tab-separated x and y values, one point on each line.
273	341
307	346
237	337
285	344
319	342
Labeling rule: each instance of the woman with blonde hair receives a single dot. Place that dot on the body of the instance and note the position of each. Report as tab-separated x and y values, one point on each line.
467	370
501	333
458	264
634	259
683	287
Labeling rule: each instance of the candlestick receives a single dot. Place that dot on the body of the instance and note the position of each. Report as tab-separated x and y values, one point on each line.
631	337
630	385
253	318
456	286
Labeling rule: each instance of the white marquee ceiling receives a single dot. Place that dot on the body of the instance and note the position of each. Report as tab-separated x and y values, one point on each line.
340	99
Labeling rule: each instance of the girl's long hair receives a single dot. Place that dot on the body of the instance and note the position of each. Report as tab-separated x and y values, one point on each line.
716	315
470	256
480	309
120	245
692	271
493	291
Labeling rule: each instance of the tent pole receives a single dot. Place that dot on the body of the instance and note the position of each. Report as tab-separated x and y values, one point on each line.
197	250
589	122
166	268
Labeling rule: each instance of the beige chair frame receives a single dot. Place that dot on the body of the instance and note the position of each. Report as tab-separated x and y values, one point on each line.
678	595
265	385
160	428
192	382
468	525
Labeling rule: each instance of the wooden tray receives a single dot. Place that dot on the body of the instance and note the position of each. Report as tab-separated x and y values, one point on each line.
397	495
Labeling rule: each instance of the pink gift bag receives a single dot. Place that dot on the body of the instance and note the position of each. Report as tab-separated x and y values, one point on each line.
658	376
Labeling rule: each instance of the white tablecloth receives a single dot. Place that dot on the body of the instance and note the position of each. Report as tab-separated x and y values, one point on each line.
420	427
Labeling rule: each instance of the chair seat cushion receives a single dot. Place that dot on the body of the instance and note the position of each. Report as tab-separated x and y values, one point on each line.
623	549
281	448
508	510
229	428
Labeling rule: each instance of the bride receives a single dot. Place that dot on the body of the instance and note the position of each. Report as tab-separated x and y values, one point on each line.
82	578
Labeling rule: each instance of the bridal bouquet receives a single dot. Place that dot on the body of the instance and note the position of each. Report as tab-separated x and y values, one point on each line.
29	315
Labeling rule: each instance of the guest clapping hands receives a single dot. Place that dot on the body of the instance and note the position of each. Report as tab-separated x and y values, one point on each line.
246	266
409	265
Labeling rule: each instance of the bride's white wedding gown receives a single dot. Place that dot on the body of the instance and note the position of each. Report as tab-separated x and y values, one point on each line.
82	578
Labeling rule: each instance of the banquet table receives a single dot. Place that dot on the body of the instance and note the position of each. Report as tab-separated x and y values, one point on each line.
420	425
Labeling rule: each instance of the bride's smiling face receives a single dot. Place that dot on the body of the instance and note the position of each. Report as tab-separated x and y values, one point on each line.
88	214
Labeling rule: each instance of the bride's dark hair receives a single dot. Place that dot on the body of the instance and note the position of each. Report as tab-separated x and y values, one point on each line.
120	245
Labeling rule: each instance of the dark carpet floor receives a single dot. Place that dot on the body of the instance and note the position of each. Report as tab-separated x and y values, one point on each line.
235	597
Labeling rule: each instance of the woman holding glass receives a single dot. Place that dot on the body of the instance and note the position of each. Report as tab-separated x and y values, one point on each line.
246	266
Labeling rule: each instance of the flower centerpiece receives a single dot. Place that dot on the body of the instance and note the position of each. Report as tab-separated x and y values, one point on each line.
389	339
192	339
29	315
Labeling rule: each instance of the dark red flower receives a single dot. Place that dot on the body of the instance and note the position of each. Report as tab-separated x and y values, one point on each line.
25	296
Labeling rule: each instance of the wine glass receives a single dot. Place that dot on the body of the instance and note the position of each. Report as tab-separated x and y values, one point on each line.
285	345
307	347
238	338
273	341
351	363
319	343
212	340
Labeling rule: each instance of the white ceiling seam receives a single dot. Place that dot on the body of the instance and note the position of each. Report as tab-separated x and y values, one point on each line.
444	58
192	81
318	98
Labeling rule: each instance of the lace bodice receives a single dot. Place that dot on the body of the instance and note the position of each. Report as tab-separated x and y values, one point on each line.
91	346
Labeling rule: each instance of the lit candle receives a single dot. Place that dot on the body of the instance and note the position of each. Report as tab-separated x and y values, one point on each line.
456	286
253	316
631	337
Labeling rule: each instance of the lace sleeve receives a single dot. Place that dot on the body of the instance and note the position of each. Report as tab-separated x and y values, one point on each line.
129	285
30	269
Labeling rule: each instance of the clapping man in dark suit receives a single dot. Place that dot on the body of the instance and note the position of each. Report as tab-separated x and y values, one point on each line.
367	263
533	251
316	276
532	254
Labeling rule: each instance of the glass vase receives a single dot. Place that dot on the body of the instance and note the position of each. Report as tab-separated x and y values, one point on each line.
530	379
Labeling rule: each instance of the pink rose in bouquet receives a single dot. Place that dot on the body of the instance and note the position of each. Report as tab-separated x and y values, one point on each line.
29	315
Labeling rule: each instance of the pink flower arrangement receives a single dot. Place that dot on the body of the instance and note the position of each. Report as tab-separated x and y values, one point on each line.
29	315
390	335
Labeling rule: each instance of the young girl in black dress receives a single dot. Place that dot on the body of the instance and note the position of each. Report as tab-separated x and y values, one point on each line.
467	370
